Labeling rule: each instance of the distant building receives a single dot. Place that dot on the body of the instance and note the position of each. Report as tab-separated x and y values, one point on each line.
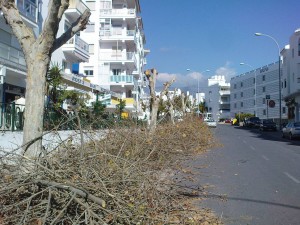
291	76
217	97
251	92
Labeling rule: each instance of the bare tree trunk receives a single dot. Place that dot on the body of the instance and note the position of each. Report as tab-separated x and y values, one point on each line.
171	111
34	111
153	116
183	104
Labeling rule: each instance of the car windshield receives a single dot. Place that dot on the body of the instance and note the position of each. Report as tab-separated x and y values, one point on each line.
268	121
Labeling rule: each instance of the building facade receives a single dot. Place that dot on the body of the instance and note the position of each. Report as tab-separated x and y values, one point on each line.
12	62
217	97
116	46
257	92
291	76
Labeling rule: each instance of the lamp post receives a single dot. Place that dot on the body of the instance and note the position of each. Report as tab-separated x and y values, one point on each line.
198	99
261	34
254	85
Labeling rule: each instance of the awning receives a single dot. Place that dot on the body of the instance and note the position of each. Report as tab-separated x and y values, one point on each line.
78	82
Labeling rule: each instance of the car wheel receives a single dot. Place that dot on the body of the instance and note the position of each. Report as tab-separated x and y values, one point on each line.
290	136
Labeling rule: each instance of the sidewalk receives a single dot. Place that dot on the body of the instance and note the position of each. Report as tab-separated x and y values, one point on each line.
13	140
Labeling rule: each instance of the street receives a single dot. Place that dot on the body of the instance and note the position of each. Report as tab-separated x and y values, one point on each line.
253	178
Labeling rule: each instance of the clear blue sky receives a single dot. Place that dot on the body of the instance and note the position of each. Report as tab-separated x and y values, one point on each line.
215	35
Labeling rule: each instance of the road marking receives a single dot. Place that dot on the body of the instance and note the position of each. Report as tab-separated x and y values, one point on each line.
252	147
265	157
292	178
245	142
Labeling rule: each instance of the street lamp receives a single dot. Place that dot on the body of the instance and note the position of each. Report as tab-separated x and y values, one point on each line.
198	99
254	85
261	34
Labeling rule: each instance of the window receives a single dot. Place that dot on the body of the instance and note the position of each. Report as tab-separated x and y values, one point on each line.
242	104
234	86
284	83
283	110
89	72
91	49
90	27
241	84
116	71
235	95
90	5
64	65
263	77
234	105
264	101
254	91
242	94
264	89
264	112
298	80
292	53
253	80
254	103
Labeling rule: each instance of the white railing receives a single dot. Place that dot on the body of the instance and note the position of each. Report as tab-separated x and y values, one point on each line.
79	44
77	4
12	54
28	8
118	56
117	32
118	12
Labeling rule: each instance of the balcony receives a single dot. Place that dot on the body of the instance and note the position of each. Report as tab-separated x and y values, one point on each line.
117	34
76	50
27	9
76	9
118	13
12	57
118	56
123	79
224	92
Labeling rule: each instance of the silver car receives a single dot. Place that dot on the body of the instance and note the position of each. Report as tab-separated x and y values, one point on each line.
291	130
211	123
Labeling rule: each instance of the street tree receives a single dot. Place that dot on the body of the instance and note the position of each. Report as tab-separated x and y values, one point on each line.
155	99
37	52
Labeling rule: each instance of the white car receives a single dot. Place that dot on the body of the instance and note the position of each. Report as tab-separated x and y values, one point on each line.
211	123
291	130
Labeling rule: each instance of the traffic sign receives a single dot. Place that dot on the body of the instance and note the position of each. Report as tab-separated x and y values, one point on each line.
271	103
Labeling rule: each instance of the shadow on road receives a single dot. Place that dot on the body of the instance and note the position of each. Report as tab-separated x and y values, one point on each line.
270	135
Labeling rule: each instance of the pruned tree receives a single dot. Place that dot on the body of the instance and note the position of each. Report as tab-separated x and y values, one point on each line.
154	99
37	52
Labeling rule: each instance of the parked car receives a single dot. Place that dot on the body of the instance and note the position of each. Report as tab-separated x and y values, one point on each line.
291	130
267	125
253	122
211	123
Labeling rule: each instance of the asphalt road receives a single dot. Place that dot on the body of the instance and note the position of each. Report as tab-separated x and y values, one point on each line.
254	177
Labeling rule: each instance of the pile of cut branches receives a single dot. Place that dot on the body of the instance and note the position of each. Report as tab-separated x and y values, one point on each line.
123	178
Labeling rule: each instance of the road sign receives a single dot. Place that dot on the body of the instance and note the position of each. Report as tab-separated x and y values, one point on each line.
271	103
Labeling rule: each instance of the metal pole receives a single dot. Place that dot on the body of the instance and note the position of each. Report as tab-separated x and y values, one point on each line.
279	93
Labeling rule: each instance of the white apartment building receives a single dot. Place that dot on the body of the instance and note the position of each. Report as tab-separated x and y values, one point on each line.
291	76
116	46
12	62
257	92
217	97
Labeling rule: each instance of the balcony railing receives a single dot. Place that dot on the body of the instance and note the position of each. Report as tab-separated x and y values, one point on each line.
28	9
12	55
118	12
116	32
118	56
77	46
78	5
121	78
224	92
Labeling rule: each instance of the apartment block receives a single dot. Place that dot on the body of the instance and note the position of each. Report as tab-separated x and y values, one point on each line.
116	47
217	97
12	62
291	76
257	92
